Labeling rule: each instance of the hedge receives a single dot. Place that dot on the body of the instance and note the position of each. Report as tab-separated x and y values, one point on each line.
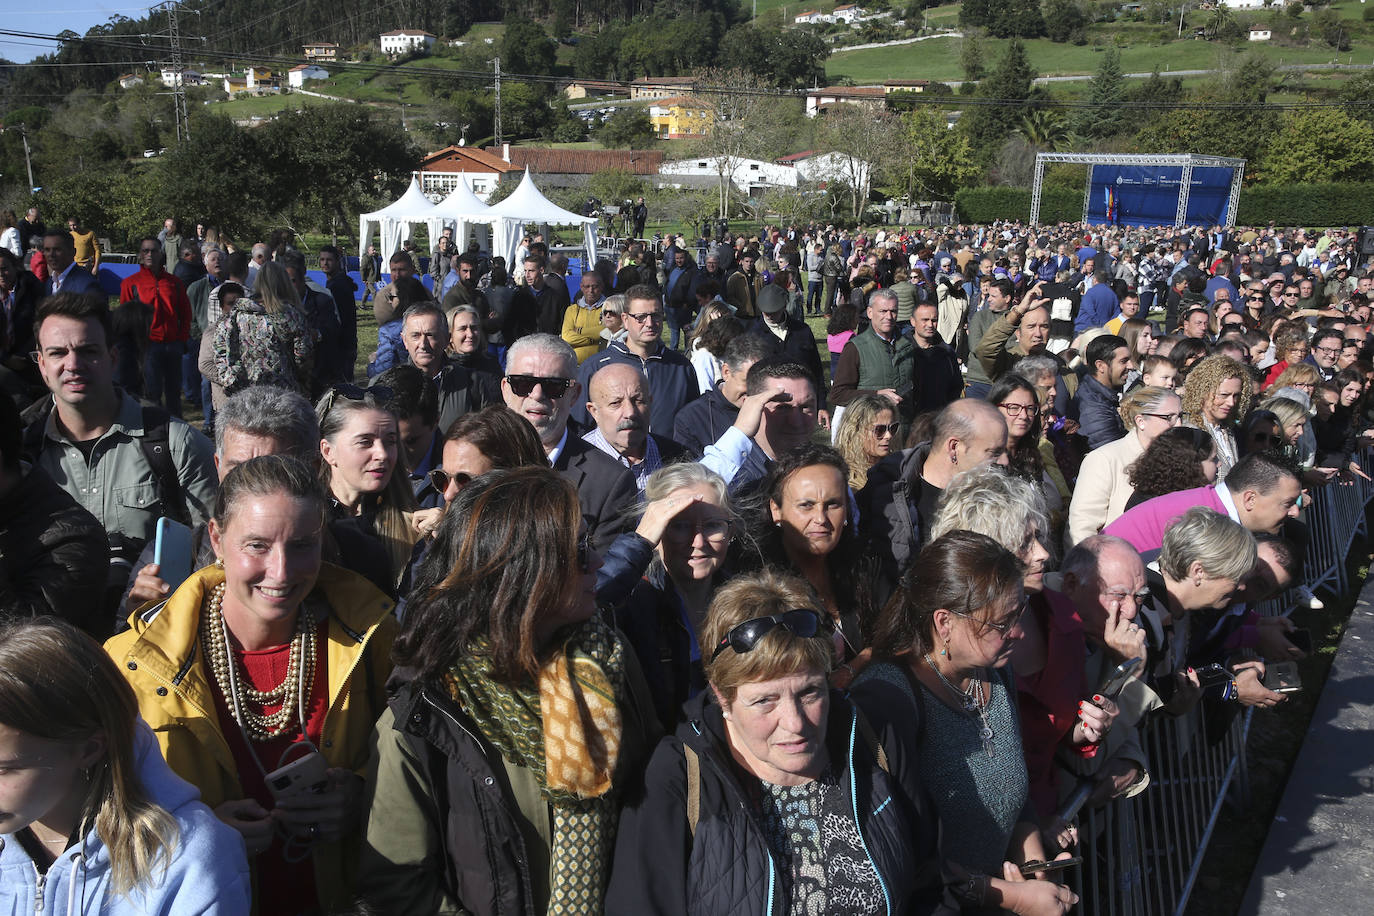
1327	204
983	205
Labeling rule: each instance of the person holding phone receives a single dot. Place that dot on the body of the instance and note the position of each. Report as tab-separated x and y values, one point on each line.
254	656
940	693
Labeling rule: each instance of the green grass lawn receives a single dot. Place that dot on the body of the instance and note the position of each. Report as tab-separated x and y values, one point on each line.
264	106
938	58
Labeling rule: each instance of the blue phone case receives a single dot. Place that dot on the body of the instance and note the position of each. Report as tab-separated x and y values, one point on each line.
172	552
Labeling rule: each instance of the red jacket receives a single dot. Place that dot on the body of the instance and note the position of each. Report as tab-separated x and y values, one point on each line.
167	297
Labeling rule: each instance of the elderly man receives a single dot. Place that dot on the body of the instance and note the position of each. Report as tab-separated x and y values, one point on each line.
1028	322
672	379
618	400
898	502
878	361
541	385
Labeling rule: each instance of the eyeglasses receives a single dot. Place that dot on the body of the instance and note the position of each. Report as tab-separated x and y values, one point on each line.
608	313
376	395
712	529
880	430
645	317
1020	410
440	479
1002	628
1170	418
523	385
1121	594
1329	351
743	637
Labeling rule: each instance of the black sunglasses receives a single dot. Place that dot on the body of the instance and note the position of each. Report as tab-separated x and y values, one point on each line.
440	479
743	637
523	385
379	394
882	429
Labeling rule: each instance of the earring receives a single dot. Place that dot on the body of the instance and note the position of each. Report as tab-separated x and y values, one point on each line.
219	562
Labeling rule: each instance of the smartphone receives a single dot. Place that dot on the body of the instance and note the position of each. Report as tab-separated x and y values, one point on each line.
308	773
1116	681
1282	677
1302	639
172	552
1212	676
1030	868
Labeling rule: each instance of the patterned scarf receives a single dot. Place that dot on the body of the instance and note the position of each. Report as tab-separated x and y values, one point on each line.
567	730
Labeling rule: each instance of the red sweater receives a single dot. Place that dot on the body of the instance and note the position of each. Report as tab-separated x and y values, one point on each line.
167	297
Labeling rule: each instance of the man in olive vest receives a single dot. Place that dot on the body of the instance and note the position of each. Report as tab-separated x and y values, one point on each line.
879	361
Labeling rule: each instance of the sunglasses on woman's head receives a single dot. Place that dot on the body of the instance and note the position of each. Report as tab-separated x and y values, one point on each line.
379	394
743	637
523	385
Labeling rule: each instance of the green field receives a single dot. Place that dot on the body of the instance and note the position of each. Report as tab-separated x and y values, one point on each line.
264	106
938	58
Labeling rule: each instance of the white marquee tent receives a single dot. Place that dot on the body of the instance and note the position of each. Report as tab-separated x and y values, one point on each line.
462	211
527	205
395	221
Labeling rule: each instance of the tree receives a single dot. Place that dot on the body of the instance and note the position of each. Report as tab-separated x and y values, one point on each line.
627	128
971	58
743	125
1330	145
1063	19
936	161
614	185
791	59
1044	129
526	47
1358	96
1105	117
1006	90
867	141
220	175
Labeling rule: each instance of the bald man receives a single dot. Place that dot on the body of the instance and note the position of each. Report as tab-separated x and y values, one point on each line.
619	401
898	503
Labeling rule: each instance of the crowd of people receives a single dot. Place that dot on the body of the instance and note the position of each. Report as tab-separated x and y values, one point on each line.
536	608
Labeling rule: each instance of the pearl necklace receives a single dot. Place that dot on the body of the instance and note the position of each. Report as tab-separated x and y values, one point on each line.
300	672
974	702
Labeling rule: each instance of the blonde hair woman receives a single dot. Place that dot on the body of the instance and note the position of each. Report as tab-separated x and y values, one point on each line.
869	431
1217	394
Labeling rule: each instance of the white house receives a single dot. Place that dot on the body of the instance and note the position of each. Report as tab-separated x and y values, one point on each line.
403	41
811	17
297	76
130	80
752	176
181	77
848	13
828	167
1260	34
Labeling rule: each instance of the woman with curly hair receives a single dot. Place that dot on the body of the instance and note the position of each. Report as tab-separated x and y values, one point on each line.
1181	458
868	433
1217	392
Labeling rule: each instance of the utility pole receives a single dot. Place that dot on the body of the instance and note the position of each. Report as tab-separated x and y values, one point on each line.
28	163
177	68
497	63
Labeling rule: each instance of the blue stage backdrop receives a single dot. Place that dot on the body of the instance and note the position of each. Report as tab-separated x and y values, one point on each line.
1133	195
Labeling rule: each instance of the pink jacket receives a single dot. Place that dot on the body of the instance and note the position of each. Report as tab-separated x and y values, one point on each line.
1145	524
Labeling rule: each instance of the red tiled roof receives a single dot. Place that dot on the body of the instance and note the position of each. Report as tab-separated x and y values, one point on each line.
583	161
435	161
795	157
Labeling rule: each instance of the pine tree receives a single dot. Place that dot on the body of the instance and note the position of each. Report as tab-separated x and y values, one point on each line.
971	58
1105	117
1003	95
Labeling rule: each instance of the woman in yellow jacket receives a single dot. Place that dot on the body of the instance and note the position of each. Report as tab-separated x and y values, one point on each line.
261	677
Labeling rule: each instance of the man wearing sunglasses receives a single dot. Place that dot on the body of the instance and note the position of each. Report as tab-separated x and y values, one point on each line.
672	378
541	387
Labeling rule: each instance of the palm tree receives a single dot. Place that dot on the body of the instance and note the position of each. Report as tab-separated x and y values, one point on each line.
1045	129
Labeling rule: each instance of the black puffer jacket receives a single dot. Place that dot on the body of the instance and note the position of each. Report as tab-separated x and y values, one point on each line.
890	525
726	868
54	556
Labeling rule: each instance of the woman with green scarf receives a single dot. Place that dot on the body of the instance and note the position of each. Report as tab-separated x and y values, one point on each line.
516	716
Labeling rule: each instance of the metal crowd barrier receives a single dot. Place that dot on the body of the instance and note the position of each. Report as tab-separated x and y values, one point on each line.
1142	856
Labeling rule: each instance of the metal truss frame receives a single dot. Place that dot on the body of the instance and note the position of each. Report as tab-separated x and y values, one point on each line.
1188	161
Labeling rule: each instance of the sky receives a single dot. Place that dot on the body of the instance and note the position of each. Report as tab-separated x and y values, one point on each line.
76	15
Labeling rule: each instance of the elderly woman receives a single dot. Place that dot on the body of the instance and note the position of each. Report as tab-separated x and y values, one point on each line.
808	530
941	692
500	762
1216	394
269	657
95	822
612	320
868	432
360	443
1104	487
1181	458
1056	707
1202	561
658	580
728	818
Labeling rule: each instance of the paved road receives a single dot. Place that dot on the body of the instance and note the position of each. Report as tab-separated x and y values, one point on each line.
1317	857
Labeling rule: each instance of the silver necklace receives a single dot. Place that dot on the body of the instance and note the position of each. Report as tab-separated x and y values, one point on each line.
974	702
